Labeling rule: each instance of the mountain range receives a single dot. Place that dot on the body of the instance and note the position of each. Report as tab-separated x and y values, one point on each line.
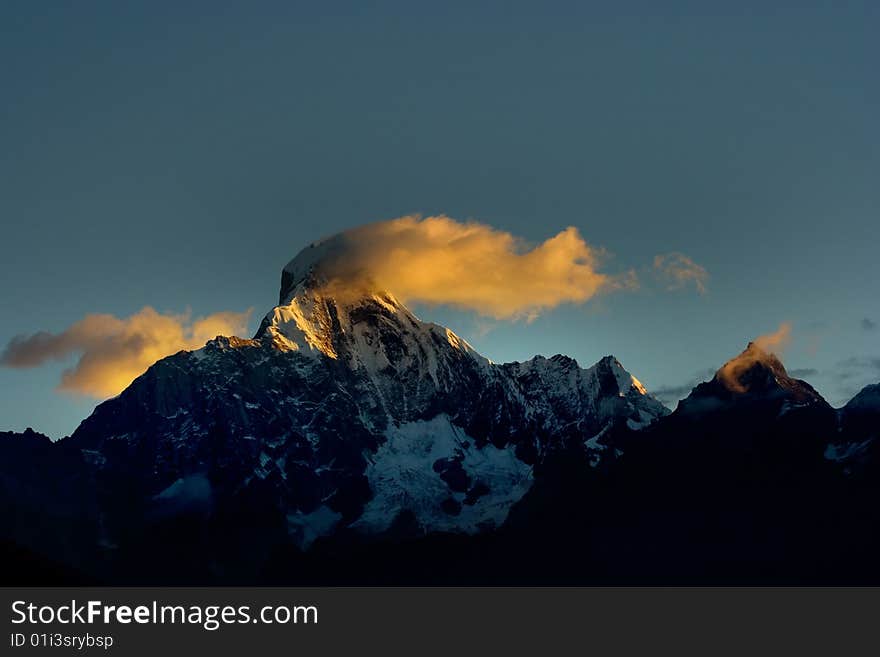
350	442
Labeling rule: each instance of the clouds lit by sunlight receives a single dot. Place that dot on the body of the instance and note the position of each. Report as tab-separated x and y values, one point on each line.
112	351
777	341
435	260
438	260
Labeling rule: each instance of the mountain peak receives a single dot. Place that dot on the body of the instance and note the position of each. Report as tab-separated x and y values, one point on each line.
301	270
756	374
314	318
753	370
625	380
867	400
311	268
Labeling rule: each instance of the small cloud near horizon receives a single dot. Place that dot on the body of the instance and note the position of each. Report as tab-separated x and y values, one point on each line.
853	366
671	394
851	375
803	372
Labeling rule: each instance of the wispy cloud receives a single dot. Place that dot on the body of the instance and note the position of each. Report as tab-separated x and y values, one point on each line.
857	366
851	374
777	341
677	270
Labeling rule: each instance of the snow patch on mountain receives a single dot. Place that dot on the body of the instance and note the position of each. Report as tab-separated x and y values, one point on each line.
402	476
595	449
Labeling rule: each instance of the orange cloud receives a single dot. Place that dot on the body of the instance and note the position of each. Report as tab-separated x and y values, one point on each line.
113	351
678	270
438	260
777	341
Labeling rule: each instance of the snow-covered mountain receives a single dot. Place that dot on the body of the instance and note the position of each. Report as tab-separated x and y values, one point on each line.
344	412
349	441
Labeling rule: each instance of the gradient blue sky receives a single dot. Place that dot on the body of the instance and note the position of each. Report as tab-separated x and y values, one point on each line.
178	154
